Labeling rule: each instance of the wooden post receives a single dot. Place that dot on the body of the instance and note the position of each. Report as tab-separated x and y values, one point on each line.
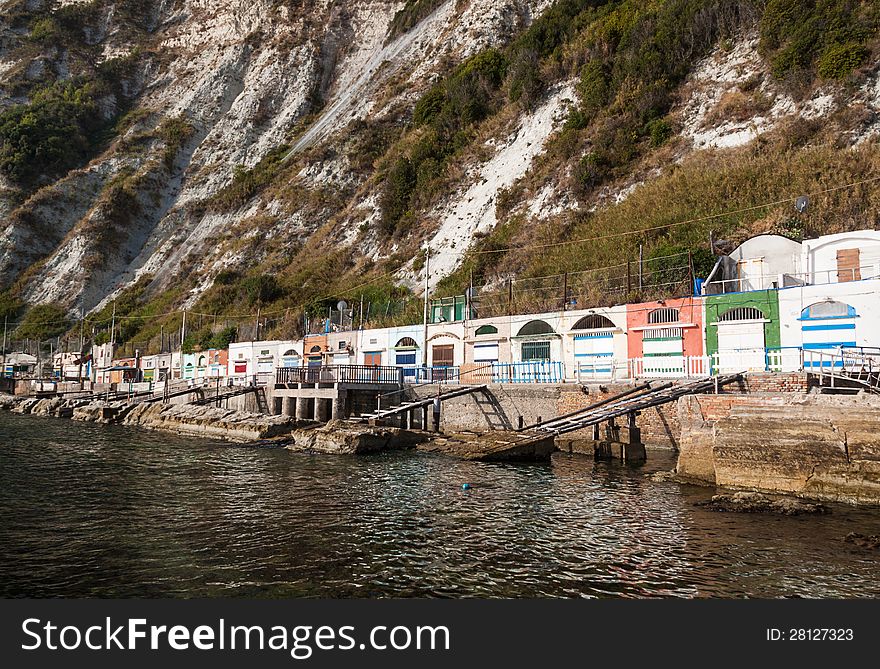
565	291
641	266
691	272
436	422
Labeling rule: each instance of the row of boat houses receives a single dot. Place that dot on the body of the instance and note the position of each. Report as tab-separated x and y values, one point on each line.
773	304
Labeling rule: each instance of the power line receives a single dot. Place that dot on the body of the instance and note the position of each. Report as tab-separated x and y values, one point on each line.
690	221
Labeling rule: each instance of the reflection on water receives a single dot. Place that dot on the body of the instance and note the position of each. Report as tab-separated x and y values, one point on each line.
88	510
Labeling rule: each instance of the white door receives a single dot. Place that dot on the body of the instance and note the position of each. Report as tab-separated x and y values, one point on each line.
741	346
663	353
594	354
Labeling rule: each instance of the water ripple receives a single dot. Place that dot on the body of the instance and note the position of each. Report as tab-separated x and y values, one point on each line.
89	510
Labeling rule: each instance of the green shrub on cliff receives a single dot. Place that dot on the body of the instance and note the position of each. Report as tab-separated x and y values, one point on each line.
43	321
51	135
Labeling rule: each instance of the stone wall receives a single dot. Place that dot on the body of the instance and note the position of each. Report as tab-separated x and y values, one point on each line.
817	446
502	405
497	409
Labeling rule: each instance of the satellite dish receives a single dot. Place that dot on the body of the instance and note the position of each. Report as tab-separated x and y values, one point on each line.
342	305
801	204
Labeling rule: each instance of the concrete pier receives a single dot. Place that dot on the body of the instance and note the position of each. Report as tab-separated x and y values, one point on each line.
287	406
323	409
304	407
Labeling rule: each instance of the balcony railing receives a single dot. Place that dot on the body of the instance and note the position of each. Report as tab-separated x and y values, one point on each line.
331	374
771	281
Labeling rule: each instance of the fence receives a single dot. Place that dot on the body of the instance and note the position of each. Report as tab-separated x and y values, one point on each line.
330	374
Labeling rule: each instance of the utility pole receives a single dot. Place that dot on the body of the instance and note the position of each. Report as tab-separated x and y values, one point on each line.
79	373
3	352
425	320
565	291
641	266
182	331
257	326
510	297
113	330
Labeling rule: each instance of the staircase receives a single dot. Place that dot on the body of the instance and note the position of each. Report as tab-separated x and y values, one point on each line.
845	371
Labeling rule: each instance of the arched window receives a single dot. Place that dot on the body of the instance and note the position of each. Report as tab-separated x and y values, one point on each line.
315	349
667	315
407	342
535	328
290	353
829	309
741	314
486	330
202	361
593	322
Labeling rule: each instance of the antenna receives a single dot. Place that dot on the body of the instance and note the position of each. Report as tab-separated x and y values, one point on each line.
801	204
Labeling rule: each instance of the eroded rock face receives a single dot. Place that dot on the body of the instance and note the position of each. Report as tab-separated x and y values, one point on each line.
819	447
210	422
752	502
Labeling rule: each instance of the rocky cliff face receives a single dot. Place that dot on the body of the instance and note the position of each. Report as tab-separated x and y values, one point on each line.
222	136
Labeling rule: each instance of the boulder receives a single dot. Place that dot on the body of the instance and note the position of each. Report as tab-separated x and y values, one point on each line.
351	438
753	502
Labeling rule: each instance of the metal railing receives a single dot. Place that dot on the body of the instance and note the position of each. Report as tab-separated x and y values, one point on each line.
833	366
785	280
329	374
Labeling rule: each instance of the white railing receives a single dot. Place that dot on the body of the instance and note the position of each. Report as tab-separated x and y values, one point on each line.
843	363
669	367
608	369
771	281
740	360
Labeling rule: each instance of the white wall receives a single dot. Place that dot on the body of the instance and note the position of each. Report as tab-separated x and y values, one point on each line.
863	296
820	254
616	314
760	260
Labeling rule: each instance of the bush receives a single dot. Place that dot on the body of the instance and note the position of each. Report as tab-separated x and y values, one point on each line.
659	131
53	134
429	106
174	131
398	188
246	183
260	289
410	15
525	84
798	34
224	337
43	321
839	60
593	87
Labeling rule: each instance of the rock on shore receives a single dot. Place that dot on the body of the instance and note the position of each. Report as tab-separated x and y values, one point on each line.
495	446
753	502
209	422
349	438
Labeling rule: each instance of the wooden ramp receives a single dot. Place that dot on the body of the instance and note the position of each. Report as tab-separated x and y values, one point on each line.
639	399
234	391
405	407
